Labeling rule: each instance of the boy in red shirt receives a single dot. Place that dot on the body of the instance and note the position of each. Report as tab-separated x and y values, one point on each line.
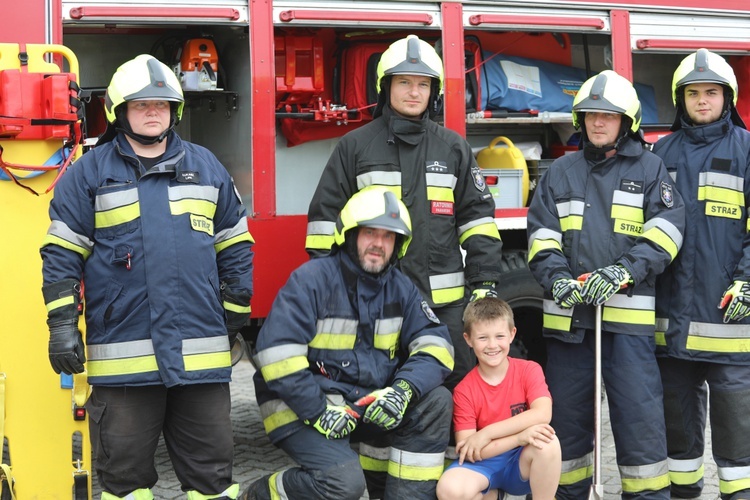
501	415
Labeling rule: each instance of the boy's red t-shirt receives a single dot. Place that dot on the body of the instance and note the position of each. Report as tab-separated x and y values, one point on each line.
477	404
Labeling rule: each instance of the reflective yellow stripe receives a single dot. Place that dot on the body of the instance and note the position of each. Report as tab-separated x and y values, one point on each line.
283	368
628	227
414	473
660	338
141	494
697	343
686	478
555	322
729	487
540	245
440	353
333	341
273	486
632	214
218	247
571	222
660	238
319	242
276	414
489	229
373	464
646	484
628	316
229	306
231	492
577	475
189	206
720	194
447	295
127	366
207	361
65	301
435	193
725	210
117	216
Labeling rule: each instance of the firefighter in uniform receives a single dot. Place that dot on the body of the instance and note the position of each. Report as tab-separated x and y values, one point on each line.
432	169
609	210
351	352
707	154
155	226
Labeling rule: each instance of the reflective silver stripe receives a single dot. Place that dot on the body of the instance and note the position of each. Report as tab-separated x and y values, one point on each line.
644	471
440	281
379	177
205	345
208	193
573	207
733	473
388	326
545	234
119	350
550	307
430	340
321	227
227	234
273	407
721	180
642	302
413	459
337	326
278	485
61	230
718	330
662	324
628	199
378	453
667	227
578	463
110	201
476	222
335	400
280	353
441	180
685	465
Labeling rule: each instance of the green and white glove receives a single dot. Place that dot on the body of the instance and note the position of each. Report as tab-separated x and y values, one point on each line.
484	289
566	292
602	284
737	296
386	407
336	422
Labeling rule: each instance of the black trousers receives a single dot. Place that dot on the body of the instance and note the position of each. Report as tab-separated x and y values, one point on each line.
125	425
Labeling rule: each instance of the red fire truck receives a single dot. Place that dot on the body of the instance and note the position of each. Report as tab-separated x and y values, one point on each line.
271	85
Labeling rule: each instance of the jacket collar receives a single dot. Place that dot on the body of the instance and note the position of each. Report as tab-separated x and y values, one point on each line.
406	130
709	132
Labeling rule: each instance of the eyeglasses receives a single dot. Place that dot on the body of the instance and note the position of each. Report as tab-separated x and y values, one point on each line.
144	105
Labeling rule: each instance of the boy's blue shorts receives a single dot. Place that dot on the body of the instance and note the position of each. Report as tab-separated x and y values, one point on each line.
502	471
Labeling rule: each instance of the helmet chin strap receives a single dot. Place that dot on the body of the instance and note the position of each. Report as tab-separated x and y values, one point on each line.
123	125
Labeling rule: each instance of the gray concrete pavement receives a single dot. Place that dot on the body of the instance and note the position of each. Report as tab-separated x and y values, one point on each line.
255	456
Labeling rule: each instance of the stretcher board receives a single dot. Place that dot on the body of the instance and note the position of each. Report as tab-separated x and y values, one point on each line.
44	442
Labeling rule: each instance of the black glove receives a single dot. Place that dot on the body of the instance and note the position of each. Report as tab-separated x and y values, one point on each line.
602	284
335	422
484	289
236	304
66	349
567	292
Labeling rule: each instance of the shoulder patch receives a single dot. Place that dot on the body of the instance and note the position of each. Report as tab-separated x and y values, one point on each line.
478	178
429	313
666	194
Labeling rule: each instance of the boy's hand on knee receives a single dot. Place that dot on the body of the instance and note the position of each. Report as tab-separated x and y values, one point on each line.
536	436
471	448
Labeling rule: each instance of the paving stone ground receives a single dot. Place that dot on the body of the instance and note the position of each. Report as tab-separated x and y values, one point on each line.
255	456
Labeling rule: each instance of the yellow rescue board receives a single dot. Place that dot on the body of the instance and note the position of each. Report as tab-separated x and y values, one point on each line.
44	442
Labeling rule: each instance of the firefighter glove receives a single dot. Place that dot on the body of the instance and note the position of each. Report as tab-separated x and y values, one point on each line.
66	350
236	304
567	292
603	283
386	407
484	289
336	422
737	297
